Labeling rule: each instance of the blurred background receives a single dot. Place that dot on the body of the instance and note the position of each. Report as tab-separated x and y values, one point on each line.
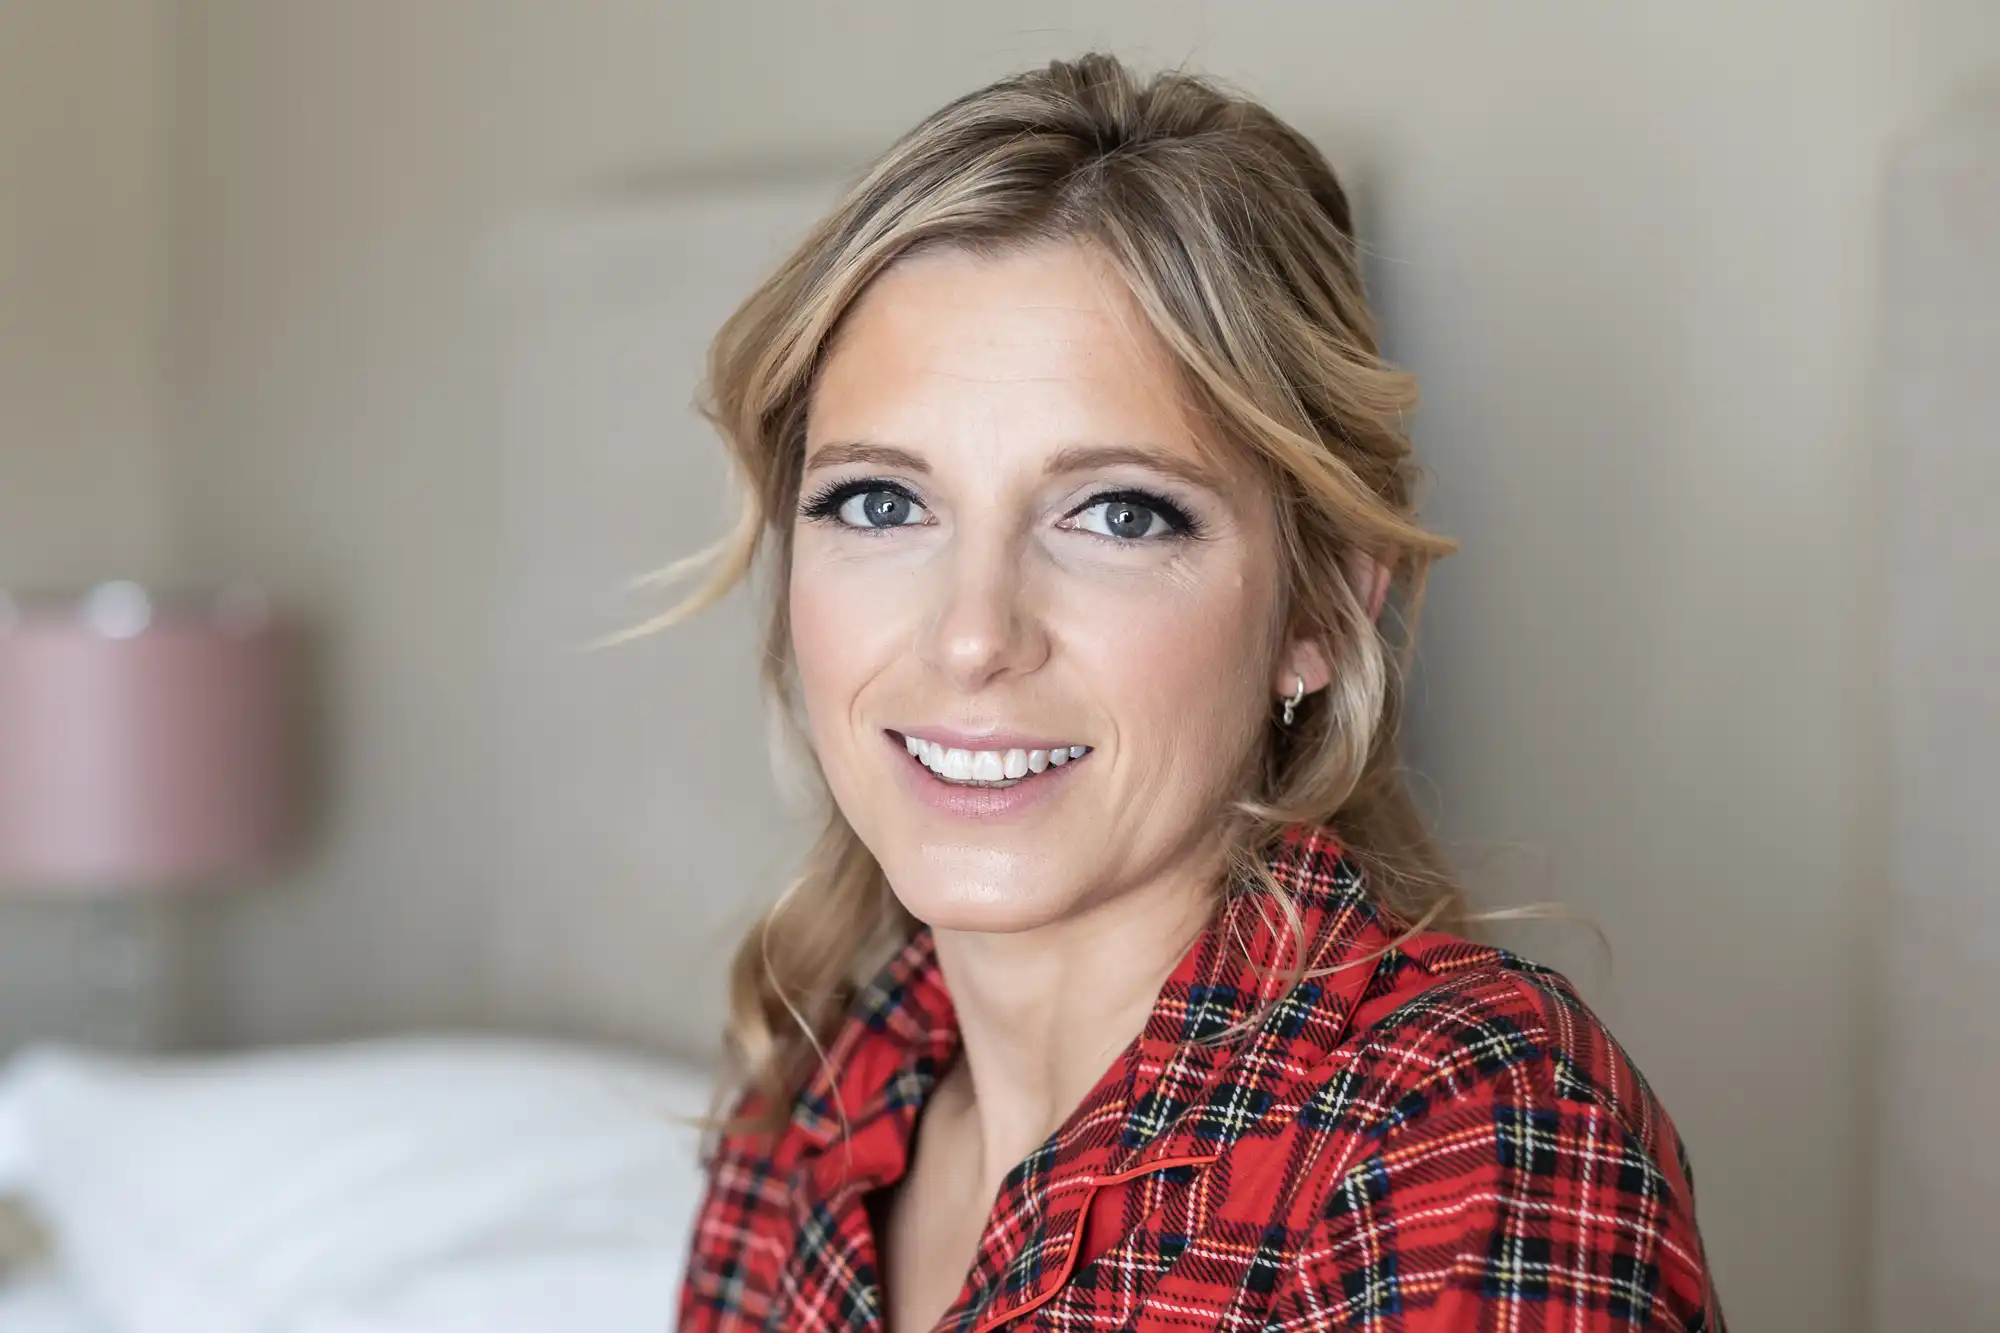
391	308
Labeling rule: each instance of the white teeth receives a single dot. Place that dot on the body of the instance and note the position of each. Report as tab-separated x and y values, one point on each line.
1003	767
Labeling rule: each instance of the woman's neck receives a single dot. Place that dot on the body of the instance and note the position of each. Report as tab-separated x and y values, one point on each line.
1042	1013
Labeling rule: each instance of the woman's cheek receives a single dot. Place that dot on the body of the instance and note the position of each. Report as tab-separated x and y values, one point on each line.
822	605
1176	655
851	620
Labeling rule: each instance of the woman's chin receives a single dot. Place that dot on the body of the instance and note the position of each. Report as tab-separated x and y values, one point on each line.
982	903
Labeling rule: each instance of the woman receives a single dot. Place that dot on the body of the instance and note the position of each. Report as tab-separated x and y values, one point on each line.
1113	994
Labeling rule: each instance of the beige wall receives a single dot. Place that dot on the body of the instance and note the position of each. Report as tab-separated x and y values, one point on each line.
80	499
1628	246
80	180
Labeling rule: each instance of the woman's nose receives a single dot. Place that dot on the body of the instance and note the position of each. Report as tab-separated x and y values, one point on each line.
982	624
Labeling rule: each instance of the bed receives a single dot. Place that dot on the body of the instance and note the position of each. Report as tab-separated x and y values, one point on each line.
422	1184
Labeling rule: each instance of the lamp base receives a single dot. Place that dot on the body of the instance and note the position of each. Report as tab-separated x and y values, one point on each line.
93	973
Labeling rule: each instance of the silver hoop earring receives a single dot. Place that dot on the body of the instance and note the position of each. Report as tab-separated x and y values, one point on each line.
1292	704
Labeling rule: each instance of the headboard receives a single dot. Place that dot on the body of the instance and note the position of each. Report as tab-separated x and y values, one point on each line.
1938	1176
635	793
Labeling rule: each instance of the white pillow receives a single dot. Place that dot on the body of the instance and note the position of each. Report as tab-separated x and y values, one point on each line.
316	1188
42	1303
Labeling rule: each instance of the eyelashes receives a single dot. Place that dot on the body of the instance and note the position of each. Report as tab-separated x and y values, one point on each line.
891	498
1179	520
825	504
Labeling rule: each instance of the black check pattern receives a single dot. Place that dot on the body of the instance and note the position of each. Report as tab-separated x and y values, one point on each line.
1437	1137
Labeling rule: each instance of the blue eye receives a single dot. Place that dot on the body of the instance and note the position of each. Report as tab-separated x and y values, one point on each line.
1133	516
877	509
1119	518
865	504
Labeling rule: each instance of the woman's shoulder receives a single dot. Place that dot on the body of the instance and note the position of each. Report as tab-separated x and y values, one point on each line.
1445	1019
1442	1015
1480	1123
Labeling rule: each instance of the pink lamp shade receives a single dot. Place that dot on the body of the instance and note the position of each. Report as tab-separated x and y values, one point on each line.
143	747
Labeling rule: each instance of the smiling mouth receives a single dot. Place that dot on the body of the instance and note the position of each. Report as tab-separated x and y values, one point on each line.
987	768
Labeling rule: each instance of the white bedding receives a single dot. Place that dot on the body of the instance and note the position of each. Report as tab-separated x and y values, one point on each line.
417	1185
45	1304
495	1291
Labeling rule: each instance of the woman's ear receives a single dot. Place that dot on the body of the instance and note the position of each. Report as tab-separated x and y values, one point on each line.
1303	660
1371	579
1307	659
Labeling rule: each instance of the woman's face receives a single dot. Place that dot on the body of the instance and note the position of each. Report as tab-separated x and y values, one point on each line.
1034	609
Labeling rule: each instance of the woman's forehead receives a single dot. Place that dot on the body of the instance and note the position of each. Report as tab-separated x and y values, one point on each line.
1034	349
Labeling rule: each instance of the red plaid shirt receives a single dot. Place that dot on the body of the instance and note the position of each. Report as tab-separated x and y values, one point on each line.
1439	1137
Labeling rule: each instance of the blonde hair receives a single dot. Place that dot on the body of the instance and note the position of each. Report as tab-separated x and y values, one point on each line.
1236	241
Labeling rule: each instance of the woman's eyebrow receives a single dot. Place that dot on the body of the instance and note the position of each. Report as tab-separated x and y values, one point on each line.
1087	458
860	451
1075	458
